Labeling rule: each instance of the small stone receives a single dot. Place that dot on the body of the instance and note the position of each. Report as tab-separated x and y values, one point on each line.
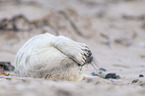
7	66
99	74
141	75
102	69
135	81
112	76
94	74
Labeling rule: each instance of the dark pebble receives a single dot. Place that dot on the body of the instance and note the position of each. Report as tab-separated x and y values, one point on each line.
94	74
102	69
112	76
135	81
7	66
141	75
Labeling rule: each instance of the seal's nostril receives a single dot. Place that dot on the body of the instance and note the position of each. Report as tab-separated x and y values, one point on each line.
89	59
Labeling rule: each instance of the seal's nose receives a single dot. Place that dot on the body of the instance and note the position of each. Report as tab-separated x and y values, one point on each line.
89	58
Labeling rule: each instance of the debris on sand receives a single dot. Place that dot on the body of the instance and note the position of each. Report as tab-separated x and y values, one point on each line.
99	74
6	66
106	76
16	23
123	41
1	70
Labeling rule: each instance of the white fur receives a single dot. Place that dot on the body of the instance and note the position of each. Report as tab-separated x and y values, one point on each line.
49	56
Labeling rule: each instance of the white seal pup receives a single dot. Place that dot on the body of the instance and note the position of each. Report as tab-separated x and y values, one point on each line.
53	57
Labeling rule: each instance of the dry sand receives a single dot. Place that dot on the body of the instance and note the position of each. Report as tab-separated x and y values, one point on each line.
113	29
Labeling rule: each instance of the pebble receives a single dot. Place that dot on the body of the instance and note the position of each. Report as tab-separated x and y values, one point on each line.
94	74
135	81
7	66
112	76
102	69
141	75
99	74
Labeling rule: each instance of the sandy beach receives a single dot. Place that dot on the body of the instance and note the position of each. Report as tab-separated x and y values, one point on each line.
113	29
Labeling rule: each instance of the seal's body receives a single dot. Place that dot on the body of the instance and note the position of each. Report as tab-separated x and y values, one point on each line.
53	57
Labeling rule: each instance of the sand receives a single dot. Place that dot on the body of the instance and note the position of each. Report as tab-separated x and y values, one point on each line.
113	29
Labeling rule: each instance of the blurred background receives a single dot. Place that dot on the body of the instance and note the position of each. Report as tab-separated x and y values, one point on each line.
113	29
115	25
